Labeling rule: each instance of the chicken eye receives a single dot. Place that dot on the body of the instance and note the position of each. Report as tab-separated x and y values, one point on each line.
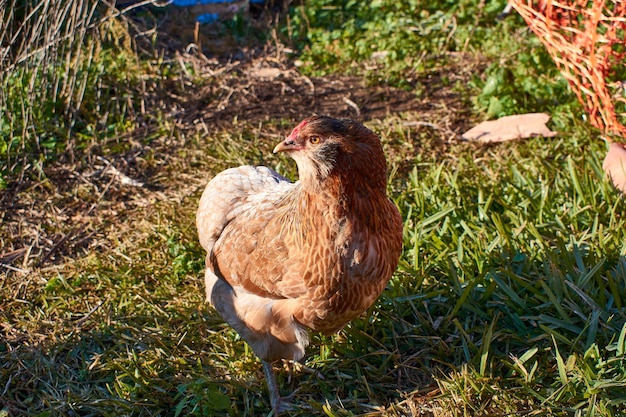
314	140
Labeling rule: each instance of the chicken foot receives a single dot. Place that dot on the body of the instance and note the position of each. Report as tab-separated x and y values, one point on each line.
278	403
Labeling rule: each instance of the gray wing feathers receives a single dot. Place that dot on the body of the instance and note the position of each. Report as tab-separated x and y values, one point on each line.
230	193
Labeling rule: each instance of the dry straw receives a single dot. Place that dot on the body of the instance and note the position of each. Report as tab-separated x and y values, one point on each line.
586	39
36	37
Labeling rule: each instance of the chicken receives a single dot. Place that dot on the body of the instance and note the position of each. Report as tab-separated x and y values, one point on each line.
284	258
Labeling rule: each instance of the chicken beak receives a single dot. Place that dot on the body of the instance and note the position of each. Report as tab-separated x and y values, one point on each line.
286	146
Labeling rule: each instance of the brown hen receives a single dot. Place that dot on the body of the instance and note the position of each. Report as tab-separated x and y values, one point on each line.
282	257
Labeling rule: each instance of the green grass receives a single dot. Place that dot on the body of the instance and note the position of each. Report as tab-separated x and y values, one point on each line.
524	254
404	42
509	297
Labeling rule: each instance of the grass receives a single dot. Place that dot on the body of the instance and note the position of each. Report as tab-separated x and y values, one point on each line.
79	65
524	245
510	293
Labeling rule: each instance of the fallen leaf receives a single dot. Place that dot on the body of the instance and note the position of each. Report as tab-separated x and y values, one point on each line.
266	73
519	126
614	165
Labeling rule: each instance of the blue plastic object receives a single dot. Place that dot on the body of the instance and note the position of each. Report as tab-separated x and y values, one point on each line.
207	18
188	3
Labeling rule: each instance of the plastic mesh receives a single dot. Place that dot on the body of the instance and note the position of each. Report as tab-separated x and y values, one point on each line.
587	40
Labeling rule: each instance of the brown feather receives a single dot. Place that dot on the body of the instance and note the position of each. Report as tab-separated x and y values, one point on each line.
283	257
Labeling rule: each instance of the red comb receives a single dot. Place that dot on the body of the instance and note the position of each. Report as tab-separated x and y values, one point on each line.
298	128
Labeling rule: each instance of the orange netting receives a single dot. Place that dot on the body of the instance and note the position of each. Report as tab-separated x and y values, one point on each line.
587	40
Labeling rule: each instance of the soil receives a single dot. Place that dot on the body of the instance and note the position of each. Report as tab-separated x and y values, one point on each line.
261	89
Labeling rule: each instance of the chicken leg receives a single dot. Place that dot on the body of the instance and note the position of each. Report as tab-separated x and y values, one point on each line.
278	403
272	386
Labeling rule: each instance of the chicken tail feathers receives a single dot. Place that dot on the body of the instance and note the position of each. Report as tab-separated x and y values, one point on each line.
267	325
